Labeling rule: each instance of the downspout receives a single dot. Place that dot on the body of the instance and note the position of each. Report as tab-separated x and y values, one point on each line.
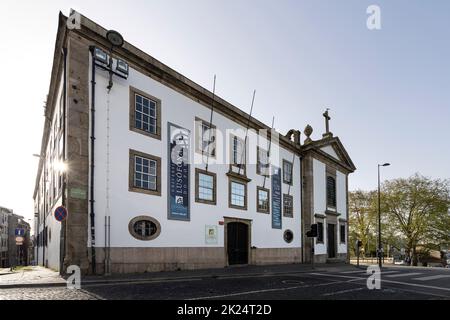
44	234
91	200
64	173
301	209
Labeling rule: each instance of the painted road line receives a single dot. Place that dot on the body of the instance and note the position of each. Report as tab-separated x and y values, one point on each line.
363	272
343	291
383	280
387	272
403	275
433	277
264	291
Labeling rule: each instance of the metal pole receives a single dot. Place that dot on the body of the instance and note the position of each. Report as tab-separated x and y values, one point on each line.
379	221
357	255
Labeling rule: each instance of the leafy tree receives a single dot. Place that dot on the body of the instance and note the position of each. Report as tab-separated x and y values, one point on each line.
362	219
418	208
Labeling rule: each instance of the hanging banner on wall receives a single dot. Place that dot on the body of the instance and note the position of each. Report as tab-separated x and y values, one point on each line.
178	173
276	198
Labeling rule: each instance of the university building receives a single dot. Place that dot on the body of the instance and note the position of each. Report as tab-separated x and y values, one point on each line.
158	173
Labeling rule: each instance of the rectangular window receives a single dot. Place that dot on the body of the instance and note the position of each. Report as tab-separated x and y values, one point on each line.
205	137
288	206
319	232
238	157
205	191
263	200
145	114
237	195
342	233
145	173
287	172
331	191
262	166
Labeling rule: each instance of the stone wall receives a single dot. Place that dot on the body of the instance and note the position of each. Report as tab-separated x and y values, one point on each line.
77	153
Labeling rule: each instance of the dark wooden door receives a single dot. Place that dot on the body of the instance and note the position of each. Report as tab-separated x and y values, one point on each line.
331	240
237	243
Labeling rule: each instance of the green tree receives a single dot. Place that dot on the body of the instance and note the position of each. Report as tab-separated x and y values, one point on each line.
418	208
362	219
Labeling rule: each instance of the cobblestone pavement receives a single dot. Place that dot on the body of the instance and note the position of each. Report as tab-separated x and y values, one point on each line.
30	275
45	294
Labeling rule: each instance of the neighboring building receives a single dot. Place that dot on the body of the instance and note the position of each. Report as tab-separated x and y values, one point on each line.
4	217
18	255
153	184
12	254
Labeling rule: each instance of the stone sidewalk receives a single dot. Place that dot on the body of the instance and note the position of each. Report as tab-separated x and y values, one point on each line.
30	276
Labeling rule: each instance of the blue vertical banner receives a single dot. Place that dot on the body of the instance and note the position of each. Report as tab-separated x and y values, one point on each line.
276	198
179	140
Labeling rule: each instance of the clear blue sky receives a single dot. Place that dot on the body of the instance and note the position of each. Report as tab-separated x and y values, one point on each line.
388	90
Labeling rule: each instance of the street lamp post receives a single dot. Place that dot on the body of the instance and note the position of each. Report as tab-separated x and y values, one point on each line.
380	252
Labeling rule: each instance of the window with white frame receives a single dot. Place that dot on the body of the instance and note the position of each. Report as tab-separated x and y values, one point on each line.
263	200
205	186
144	173
238	194
145	176
145	114
262	166
288	205
206	138
237	151
287	172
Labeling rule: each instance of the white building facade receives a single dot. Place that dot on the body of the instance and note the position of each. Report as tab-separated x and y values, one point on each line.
157	173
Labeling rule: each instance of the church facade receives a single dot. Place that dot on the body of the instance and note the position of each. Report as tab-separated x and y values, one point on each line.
158	173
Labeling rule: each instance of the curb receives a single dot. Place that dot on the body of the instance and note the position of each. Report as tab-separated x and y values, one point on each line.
33	285
119	281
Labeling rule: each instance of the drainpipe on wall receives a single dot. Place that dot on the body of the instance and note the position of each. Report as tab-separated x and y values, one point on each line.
91	199
62	246
301	208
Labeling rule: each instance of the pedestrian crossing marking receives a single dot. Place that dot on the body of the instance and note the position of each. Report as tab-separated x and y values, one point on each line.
442	276
404	275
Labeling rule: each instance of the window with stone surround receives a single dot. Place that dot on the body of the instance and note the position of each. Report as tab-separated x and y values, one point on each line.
319	232
288	206
237	155
205	134
145	173
145	114
144	228
343	233
262	166
237	194
287	172
205	182
263	200
331	191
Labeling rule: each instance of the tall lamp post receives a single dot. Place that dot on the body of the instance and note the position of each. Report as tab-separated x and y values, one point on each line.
380	252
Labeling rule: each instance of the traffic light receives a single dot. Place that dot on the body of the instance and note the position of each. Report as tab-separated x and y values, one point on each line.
359	243
313	232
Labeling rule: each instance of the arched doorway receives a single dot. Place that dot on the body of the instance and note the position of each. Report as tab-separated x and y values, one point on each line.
237	243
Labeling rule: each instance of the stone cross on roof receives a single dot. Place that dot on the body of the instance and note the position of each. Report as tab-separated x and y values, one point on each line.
327	124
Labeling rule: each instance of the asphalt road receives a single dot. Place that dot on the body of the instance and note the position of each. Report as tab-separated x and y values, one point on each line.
346	283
